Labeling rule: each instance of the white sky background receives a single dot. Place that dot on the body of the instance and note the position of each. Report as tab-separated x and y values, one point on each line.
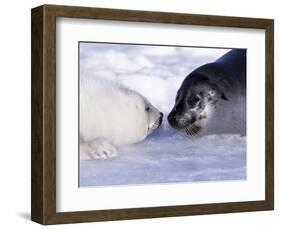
154	71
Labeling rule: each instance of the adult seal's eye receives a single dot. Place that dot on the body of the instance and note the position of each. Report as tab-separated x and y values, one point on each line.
193	99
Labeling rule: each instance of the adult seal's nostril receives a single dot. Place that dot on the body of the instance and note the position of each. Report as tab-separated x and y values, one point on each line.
171	118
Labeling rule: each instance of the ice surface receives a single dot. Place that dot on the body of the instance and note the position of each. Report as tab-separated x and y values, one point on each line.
169	156
166	156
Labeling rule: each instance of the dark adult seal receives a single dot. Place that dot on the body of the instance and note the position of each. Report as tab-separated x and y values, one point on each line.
212	98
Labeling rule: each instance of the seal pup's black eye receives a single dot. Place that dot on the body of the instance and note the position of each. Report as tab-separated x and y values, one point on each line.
193	99
147	109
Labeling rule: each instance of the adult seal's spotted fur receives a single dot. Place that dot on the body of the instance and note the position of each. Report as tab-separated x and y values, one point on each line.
212	98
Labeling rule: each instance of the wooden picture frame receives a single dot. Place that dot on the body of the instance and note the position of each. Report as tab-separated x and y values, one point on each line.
43	186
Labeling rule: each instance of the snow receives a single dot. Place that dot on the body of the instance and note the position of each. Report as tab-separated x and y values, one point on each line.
165	156
168	156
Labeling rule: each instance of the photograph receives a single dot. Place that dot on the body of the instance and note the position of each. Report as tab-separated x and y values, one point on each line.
154	114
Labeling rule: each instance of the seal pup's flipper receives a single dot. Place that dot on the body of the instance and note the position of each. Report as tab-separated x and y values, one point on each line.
99	148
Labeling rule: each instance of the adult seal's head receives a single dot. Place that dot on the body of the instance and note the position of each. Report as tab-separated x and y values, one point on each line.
212	98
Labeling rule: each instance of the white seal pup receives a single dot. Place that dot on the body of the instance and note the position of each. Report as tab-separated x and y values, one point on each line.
212	98
112	115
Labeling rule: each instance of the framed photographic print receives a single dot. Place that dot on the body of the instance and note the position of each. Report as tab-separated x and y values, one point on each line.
140	114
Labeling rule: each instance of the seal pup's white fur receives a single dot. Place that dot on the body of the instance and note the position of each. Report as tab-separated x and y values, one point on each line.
112	115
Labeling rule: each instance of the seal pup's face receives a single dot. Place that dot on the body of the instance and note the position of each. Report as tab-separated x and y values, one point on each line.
154	117
194	104
149	117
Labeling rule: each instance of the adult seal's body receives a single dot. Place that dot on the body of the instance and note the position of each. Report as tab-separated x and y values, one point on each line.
212	98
